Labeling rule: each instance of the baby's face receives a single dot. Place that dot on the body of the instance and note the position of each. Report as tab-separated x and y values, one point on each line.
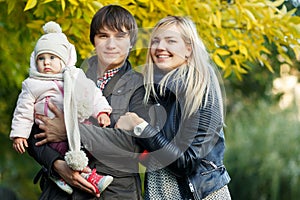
48	63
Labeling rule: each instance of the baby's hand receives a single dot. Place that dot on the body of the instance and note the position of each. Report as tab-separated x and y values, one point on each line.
103	119
20	144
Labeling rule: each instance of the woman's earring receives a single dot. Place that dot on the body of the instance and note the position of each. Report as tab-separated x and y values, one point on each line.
187	60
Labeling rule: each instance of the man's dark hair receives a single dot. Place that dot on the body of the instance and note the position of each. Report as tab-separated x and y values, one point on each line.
114	18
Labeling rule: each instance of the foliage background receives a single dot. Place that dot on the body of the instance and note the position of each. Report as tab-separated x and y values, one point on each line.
248	40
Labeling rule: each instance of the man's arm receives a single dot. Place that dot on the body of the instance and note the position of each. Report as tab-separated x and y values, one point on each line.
48	157
44	154
137	105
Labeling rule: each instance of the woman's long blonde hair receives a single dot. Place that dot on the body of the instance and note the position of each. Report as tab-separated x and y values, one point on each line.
195	78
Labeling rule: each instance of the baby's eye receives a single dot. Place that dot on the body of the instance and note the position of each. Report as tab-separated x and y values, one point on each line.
52	57
41	58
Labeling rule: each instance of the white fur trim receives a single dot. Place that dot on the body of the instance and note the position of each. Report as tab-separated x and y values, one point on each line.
76	160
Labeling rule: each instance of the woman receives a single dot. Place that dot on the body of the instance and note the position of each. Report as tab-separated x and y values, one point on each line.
185	159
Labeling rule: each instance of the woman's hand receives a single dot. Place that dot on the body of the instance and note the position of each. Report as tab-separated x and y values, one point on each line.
128	121
73	177
54	129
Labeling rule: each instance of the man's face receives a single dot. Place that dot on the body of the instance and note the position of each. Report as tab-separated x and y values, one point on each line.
112	48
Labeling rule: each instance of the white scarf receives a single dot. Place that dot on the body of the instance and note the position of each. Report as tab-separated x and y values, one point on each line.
75	158
72	77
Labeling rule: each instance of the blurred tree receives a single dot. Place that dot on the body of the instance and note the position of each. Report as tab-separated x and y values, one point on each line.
237	33
242	36
263	152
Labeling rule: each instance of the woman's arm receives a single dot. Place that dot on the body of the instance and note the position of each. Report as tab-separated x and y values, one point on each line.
194	139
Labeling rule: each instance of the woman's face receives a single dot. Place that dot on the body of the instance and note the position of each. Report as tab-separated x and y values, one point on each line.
168	49
112	48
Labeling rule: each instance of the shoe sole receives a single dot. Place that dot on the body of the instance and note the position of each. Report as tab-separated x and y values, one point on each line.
64	187
103	184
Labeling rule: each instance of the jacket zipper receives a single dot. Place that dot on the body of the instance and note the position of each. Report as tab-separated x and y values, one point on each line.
191	187
46	106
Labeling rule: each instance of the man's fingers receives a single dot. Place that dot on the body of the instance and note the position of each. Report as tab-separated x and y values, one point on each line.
87	189
42	142
55	110
83	184
40	135
43	118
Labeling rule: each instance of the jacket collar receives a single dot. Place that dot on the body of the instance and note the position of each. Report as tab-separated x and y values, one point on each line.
92	74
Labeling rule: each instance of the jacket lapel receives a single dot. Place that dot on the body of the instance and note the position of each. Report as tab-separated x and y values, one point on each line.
116	79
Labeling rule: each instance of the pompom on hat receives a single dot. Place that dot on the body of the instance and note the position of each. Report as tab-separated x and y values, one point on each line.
54	41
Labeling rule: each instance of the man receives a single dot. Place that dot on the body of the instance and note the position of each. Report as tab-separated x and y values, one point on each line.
113	32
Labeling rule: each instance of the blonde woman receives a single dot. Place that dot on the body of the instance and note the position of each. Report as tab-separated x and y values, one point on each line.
186	149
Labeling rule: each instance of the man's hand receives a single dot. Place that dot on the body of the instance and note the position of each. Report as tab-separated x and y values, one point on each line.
54	129
73	177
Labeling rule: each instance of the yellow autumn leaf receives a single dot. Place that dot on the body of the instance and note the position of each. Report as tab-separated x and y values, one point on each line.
63	5
243	71
217	20
296	49
287	58
30	4
250	15
37	24
222	52
283	10
275	4
270	68
144	1
265	50
219	61
243	50
97	4
227	72
232	43
47	1
91	8
73	2
238	75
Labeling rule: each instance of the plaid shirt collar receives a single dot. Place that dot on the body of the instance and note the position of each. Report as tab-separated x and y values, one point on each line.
102	81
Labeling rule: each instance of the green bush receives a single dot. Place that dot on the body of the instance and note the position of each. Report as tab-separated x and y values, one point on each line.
262	154
17	171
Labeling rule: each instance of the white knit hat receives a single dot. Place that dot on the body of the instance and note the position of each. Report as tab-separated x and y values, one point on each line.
54	42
